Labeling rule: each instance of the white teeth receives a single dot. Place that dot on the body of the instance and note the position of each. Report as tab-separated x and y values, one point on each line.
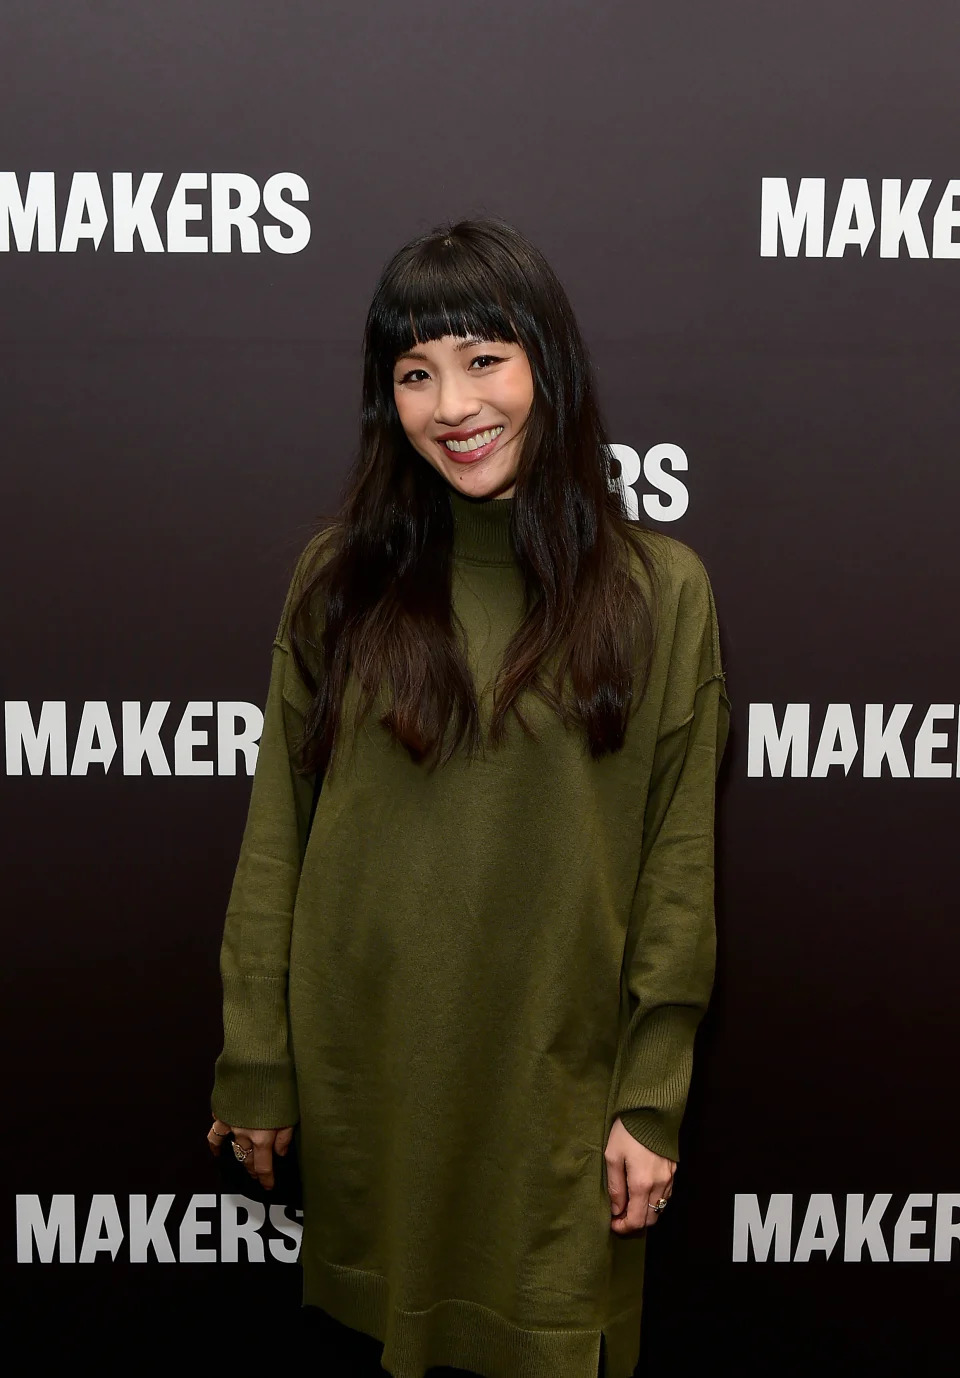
475	441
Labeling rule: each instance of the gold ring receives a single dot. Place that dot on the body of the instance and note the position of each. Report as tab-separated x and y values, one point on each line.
240	1153
217	1132
660	1204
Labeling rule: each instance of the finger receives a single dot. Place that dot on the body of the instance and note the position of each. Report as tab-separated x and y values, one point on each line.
652	1215
627	1225
617	1185
640	1189
283	1140
263	1164
216	1136
635	1218
244	1143
654	1200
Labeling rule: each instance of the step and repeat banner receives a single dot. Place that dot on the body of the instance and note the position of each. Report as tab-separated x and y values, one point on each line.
756	212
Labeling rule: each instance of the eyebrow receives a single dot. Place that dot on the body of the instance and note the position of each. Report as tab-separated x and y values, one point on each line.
465	344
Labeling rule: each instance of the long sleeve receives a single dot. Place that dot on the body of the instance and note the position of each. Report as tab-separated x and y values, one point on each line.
255	1082
670	954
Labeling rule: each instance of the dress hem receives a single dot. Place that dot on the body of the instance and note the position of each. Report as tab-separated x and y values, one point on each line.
464	1334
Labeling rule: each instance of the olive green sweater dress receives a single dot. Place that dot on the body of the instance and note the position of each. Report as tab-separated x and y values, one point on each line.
454	982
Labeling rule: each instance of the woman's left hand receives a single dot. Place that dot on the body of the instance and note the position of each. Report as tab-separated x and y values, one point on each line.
636	1180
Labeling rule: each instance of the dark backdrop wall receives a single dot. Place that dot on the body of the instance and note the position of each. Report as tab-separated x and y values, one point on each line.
756	211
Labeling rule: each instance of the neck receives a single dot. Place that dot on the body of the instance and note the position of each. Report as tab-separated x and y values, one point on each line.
481	529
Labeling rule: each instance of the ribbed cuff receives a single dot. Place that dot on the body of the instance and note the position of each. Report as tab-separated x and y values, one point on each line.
655	1073
255	1083
651	1130
255	1097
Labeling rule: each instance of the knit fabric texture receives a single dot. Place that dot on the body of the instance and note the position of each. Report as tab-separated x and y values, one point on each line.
453	982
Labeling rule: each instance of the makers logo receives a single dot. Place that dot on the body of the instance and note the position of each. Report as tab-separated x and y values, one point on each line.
658	468
921	1227
207	1228
227	203
879	741
798	223
38	742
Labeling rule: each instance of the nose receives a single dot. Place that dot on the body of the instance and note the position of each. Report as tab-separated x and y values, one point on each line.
456	401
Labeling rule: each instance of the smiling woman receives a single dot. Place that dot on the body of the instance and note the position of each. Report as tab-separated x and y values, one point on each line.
470	937
464	406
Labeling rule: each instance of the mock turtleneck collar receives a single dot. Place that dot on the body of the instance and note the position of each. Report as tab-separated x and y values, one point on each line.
481	529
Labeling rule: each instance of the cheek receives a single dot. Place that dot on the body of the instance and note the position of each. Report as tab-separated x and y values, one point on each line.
409	411
519	395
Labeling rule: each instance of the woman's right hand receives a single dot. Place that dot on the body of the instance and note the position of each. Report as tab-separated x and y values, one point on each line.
259	1146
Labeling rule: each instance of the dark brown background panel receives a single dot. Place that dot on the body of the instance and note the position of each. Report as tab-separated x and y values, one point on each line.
174	424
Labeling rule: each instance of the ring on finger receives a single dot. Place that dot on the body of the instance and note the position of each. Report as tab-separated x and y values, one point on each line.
241	1154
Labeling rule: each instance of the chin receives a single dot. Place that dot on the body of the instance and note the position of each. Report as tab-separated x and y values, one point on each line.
483	489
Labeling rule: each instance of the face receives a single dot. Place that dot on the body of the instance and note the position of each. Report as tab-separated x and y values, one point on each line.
460	387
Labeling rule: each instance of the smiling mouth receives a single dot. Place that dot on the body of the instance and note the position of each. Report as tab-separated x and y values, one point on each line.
464	451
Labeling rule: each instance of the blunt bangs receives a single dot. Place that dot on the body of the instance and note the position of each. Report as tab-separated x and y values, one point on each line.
442	290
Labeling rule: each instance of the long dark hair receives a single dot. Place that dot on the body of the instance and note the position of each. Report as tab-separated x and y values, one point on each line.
375	597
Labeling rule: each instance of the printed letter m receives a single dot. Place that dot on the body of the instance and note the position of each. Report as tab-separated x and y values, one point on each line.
780	218
749	1227
59	1226
766	742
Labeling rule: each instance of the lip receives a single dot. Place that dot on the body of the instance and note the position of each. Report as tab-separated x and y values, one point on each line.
464	435
471	456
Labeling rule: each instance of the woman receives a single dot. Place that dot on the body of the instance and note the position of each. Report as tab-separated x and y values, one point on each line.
471	933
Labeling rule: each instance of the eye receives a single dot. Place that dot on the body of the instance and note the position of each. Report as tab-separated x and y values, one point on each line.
485	359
